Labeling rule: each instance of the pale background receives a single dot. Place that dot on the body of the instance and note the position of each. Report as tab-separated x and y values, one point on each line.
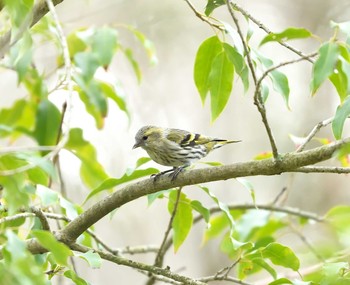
167	97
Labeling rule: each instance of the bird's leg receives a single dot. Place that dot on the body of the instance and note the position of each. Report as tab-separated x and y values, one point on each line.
157	175
176	171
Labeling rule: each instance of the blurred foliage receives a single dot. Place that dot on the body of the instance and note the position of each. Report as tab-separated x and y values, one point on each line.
248	236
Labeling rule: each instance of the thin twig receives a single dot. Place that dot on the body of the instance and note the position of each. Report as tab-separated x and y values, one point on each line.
269	70
223	278
323	169
313	132
257	96
163	248
272	208
137	249
41	216
268	31
12	149
138	265
204	18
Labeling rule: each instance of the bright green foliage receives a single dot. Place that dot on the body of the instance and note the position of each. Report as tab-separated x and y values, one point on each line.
91	170
59	251
324	65
342	113
286	35
75	278
214	68
220	82
279	80
206	54
281	255
212	5
92	258
338	217
48	121
250	238
18	265
183	220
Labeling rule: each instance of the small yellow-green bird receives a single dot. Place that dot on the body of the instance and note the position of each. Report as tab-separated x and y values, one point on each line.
174	147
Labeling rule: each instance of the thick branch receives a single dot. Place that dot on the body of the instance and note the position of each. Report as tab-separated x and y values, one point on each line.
289	162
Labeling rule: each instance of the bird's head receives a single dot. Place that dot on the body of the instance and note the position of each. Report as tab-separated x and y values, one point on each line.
147	136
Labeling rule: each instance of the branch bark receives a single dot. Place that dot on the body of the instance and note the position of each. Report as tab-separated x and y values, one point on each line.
289	162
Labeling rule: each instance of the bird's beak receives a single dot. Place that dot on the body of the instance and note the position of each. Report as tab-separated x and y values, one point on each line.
136	145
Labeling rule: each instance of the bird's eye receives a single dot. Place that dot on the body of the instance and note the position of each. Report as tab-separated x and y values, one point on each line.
145	138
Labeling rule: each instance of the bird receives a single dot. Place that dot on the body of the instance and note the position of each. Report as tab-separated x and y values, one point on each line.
176	148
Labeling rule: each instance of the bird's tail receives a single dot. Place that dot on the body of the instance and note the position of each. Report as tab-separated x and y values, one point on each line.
221	142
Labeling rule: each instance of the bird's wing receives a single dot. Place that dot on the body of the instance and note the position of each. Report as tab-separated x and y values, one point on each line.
185	138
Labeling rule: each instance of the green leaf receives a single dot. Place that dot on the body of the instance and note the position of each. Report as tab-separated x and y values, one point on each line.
343	26
183	220
21	55
280	84
279	80
14	267
324	65
141	161
135	66
115	93
286	35
93	98
47	124
342	113
338	217
220	82
205	56
60	251
212	5
90	257
281	255
340	79
75	278
47	196
147	44
91	170
217	225
113	182
233	243
75	44
36	86
198	207
18	10
71	210
104	44
17	119
249	186
160	194
263	264
240	66
88	62
280	281
333	273
14	191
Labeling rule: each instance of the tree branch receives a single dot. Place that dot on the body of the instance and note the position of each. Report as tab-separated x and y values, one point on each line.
141	266
257	95
290	162
268	31
314	132
39	11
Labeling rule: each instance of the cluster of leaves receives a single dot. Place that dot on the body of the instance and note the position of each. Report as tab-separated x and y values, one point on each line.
25	174
248	237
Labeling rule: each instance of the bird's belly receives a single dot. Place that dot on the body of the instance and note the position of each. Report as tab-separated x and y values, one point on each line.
178	157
